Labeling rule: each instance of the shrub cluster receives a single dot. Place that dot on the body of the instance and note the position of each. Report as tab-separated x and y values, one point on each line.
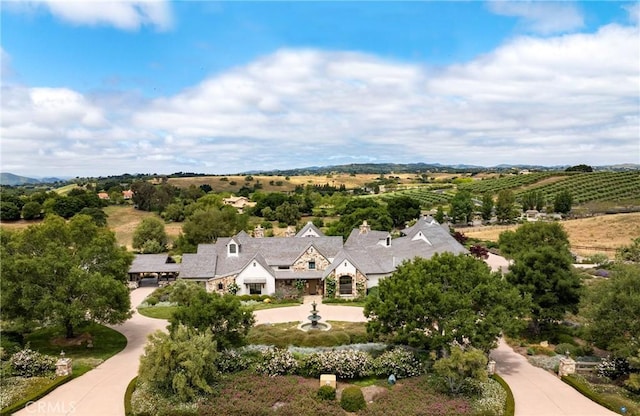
352	399
400	362
232	361
326	393
29	363
491	400
345	364
613	368
276	361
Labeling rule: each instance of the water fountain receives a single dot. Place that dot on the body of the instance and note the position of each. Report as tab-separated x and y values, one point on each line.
314	324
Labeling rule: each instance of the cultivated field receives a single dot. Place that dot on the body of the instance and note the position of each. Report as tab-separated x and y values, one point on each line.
601	234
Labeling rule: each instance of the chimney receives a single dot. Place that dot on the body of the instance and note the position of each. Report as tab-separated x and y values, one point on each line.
258	232
365	228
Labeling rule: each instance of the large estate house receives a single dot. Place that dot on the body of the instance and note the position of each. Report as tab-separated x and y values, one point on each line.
264	265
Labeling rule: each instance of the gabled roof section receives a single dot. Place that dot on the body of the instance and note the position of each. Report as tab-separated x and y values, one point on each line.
198	266
153	263
310	230
261	261
340	257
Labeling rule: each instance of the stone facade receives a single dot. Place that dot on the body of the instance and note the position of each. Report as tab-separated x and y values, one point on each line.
358	284
311	254
212	285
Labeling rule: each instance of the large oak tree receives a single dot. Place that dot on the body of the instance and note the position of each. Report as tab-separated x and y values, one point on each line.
64	273
432	303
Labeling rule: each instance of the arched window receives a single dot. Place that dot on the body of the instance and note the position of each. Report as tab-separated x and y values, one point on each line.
346	283
220	286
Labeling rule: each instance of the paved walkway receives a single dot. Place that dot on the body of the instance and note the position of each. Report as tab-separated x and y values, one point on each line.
100	392
538	392
335	312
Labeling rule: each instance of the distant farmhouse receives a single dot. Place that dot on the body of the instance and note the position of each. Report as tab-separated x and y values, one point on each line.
264	265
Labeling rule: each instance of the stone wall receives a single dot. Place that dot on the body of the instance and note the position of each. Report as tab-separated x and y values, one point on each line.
212	285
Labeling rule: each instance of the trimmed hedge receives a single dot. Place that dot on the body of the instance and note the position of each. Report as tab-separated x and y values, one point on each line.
510	405
352	399
586	391
127	396
7	411
326	393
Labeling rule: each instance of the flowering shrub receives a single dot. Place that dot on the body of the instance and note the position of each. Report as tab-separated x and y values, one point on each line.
232	361
491	400
276	362
29	363
613	368
399	362
345	364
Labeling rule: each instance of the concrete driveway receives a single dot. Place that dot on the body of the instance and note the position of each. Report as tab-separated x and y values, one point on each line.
100	392
538	392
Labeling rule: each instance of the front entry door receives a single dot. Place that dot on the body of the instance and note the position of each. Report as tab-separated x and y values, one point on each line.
313	287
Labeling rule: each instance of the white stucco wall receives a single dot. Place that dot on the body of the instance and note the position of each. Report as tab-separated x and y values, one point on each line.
255	270
343	269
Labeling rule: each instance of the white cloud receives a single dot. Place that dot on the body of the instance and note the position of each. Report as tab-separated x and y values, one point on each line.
122	14
561	100
634	12
545	17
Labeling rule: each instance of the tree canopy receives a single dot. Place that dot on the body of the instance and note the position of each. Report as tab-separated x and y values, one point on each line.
223	315
562	202
613	309
532	235
150	229
403	209
542	269
432	303
461	207
65	273
505	209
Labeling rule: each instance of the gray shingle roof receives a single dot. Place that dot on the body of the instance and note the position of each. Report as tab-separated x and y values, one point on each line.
307	227
152	263
367	251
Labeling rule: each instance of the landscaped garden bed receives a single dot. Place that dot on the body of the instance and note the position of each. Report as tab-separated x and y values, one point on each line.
28	368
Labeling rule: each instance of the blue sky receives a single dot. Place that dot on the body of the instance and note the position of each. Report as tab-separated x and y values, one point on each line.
100	88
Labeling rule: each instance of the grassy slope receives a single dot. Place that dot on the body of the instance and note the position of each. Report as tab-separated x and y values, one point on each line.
123	220
603	231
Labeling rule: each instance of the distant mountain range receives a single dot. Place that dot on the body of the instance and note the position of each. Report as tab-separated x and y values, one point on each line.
9	179
422	167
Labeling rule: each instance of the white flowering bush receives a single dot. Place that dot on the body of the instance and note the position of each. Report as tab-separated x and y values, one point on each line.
29	363
491	399
345	364
400	362
613	368
276	361
232	361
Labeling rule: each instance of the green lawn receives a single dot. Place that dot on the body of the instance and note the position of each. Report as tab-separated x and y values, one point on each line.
158	312
51	341
165	312
106	342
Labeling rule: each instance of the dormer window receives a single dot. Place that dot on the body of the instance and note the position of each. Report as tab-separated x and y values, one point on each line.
388	241
232	249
